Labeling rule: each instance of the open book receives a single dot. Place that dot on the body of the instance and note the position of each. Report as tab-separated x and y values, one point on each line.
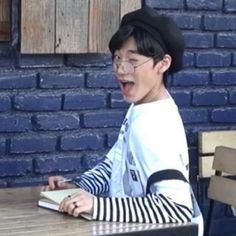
52	199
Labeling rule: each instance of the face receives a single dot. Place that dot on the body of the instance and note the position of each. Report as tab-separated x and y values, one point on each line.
140	81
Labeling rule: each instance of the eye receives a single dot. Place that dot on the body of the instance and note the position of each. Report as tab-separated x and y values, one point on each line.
116	57
133	61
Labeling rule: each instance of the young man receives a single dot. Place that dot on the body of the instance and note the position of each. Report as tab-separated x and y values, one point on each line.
145	174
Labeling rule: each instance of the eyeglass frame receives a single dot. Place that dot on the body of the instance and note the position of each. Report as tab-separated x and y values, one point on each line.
118	64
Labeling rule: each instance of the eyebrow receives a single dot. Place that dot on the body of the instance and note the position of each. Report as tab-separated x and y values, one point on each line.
133	51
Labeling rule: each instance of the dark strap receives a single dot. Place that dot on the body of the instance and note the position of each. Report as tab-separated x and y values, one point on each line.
168	174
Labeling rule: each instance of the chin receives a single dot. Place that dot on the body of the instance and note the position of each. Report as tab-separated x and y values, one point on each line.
128	100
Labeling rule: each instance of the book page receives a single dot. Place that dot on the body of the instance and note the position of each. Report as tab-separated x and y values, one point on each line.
58	195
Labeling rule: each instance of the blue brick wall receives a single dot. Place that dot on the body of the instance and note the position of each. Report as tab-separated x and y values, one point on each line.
60	114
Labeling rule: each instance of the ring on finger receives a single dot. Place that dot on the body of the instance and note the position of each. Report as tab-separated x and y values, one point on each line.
76	204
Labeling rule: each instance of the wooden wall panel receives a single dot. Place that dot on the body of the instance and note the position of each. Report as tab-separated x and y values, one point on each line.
37	26
72	26
103	22
129	5
4	20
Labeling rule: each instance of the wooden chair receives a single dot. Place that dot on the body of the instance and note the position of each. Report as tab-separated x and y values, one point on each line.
208	141
221	187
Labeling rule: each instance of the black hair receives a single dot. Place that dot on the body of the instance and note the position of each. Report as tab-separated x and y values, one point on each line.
146	44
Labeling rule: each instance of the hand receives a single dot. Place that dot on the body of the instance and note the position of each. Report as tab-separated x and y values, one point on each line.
56	182
80	202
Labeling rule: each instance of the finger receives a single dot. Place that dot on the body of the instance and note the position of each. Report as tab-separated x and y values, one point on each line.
72	207
75	211
69	204
51	183
62	206
79	210
65	204
45	188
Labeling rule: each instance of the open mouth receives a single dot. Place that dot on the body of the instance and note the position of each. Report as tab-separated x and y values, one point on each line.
126	86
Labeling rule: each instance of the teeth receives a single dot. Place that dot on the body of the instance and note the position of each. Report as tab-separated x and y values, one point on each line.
126	82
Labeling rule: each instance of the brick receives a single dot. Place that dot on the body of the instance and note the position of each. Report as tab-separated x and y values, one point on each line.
206	97
193	175
224	77
226	40
6	56
199	40
81	100
14	123
190	78
204	4
117	101
192	136
3	183
56	122
112	138
2	146
162	4
27	180
40	61
33	144
17	81
188	59
213	59
186	20
219	22
230	6
224	115
5	103
57	164
86	141
224	226
232	96
103	119
193	158
234	59
89	60
101	80
194	116
89	161
181	97
34	102
62	80
15	167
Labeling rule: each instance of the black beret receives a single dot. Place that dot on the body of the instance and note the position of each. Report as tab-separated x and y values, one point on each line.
163	29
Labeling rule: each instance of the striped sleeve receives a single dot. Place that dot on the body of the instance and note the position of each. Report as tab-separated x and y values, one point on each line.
153	208
96	180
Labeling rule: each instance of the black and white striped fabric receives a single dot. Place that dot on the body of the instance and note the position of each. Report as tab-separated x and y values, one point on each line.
151	208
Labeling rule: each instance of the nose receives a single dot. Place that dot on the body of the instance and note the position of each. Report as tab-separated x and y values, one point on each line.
120	69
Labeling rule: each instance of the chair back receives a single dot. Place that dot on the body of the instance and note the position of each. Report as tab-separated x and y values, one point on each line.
222	188
208	141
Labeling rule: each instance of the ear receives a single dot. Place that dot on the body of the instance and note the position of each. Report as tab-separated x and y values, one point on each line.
163	65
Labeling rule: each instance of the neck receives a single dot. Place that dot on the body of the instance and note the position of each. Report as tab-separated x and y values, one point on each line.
158	94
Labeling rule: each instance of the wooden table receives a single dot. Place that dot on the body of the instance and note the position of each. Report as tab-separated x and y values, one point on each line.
19	215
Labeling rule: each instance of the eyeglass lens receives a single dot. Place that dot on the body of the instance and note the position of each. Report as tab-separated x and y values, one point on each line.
126	66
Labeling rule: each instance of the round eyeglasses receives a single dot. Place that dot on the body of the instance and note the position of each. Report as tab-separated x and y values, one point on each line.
126	66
